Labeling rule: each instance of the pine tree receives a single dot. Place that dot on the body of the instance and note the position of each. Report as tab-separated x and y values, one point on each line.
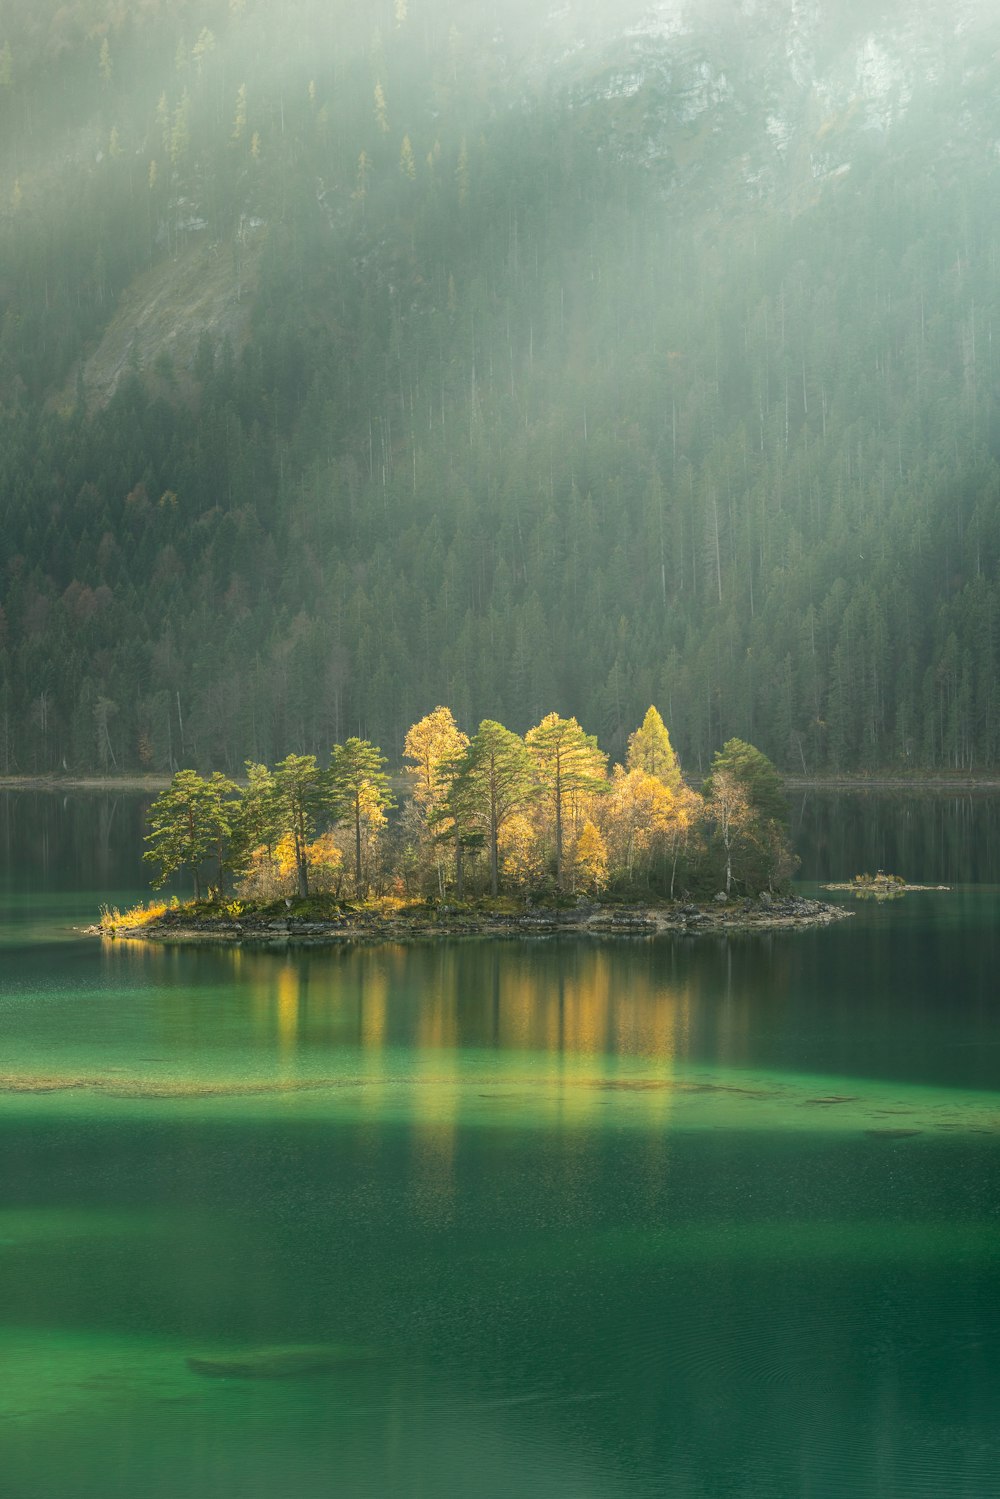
301	792
568	763
193	818
494	779
359	791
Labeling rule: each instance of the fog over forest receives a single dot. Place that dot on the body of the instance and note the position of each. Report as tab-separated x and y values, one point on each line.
359	359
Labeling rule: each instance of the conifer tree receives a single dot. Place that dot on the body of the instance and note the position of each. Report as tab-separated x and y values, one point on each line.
191	819
494	779
568	763
649	749
301	789
359	791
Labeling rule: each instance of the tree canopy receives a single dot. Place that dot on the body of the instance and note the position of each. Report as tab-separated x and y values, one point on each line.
540	816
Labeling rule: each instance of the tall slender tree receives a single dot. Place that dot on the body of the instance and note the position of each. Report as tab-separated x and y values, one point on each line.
302	794
359	791
568	764
434	744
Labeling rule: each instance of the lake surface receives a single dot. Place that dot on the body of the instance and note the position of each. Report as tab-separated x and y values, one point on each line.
550	1218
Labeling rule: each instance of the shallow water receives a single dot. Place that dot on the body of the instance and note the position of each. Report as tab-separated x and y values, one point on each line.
560	1217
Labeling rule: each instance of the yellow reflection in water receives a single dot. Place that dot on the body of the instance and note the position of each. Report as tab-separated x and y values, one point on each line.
289	999
435	1105
374	1004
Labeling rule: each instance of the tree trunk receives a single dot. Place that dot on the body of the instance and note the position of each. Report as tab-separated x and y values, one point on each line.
559	837
494	854
357	842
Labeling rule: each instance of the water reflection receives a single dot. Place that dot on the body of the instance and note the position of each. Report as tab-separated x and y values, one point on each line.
952	838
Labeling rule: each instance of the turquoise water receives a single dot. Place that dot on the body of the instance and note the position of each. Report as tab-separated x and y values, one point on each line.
541	1218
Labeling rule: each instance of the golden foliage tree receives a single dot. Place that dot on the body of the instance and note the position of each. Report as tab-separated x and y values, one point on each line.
649	749
636	819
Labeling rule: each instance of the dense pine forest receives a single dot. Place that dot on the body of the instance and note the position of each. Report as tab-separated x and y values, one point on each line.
358	359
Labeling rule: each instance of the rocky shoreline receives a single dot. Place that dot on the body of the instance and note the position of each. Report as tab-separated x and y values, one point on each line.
722	917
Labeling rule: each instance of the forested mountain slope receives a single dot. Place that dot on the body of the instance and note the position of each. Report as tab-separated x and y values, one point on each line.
357	359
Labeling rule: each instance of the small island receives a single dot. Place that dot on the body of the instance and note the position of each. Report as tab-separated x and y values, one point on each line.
880	886
497	835
319	922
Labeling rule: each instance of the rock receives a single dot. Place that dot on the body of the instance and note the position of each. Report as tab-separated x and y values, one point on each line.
722	898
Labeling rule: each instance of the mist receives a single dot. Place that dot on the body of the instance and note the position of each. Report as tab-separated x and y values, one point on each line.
577	358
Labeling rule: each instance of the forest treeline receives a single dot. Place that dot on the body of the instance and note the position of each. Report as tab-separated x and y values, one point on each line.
539	815
343	372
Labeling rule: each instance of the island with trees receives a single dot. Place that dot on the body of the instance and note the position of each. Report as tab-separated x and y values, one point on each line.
493	833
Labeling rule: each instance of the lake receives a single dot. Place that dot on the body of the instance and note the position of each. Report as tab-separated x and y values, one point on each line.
566	1217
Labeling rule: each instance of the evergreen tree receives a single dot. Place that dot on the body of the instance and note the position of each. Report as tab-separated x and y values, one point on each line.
359	791
301	795
493	779
192	819
568	763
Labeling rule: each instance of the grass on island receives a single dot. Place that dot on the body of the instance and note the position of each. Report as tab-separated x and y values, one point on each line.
135	918
323	907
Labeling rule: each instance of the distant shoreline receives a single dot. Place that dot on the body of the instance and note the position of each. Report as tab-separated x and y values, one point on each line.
919	781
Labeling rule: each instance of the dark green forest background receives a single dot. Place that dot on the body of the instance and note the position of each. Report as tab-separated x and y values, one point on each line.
353	360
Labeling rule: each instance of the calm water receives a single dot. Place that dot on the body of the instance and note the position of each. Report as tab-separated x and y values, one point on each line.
551	1219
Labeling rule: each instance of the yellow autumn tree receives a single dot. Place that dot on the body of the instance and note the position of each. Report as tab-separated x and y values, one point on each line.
636	818
571	771
521	860
588	859
684	833
649	749
432	744
272	873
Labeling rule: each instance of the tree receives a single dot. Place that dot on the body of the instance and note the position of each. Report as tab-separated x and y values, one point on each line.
359	791
756	774
590	858
746	800
638	814
730	808
301	795
432	744
493	779
190	820
649	749
568	763
260	823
